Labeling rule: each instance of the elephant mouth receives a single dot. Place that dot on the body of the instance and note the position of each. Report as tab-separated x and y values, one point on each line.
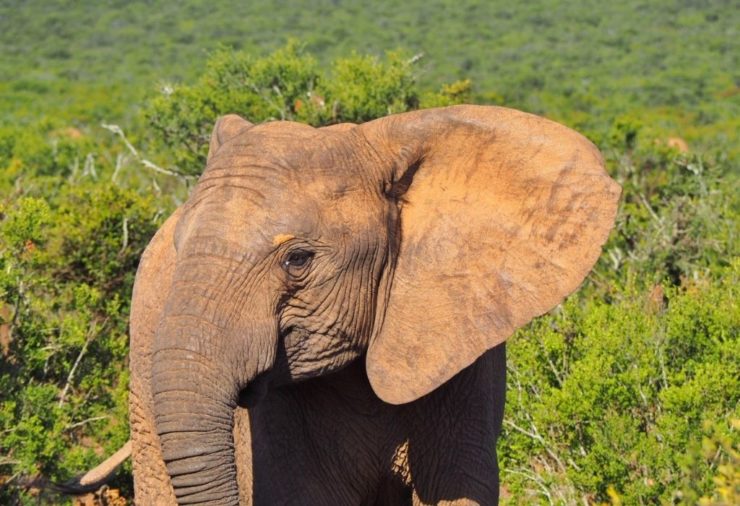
278	375
254	392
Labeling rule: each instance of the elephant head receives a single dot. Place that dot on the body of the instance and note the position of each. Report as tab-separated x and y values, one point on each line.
418	241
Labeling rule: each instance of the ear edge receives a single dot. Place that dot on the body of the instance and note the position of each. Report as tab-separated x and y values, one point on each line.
225	128
380	380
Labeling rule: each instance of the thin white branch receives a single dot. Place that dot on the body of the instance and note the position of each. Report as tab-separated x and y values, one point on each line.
534	478
415	58
115	129
71	375
89	167
534	434
86	421
157	168
660	223
7	461
119	132
124	241
514	426
120	160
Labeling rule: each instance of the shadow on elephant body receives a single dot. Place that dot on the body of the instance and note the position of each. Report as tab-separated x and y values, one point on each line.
331	440
465	416
322	441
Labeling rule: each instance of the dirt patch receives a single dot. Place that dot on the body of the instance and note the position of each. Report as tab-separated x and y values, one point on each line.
103	497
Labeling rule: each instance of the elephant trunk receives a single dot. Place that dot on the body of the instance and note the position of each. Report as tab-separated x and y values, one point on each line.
194	417
201	361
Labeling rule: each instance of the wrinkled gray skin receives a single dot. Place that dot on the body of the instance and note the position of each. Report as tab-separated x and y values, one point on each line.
252	313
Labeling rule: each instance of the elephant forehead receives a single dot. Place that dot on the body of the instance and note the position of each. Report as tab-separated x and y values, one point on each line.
250	224
292	151
276	185
319	211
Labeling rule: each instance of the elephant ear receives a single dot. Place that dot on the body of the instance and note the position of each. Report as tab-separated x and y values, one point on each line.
153	279
502	215
227	127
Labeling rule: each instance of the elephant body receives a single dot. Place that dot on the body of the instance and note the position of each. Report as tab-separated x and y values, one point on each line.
323	321
345	446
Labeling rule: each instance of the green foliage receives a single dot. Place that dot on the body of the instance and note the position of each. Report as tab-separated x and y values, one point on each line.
679	216
286	85
67	263
582	62
361	88
613	394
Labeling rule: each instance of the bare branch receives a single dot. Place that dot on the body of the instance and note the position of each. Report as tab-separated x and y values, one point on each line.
534	434
115	129
535	479
120	161
89	168
554	369
86	421
124	241
156	168
70	377
415	58
119	132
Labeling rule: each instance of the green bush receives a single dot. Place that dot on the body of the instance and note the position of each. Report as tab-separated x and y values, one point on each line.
67	263
611	395
286	85
678	218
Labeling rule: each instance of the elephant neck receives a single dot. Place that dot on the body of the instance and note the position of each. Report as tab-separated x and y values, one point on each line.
339	414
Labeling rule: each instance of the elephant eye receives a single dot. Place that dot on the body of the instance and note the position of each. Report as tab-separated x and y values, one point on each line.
297	261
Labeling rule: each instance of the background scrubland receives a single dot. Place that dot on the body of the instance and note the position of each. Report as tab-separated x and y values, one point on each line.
625	394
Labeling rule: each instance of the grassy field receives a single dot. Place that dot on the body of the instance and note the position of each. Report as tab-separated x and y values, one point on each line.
627	392
675	63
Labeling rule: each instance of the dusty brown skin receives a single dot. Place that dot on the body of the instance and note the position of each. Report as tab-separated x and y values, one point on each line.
322	323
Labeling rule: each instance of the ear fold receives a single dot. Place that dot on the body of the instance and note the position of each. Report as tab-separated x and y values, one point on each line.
503	214
226	127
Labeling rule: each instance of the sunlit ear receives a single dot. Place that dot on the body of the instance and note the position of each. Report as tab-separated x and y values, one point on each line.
502	214
226	127
151	289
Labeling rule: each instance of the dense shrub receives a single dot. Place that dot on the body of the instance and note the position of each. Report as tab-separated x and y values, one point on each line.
70	242
286	85
678	219
621	395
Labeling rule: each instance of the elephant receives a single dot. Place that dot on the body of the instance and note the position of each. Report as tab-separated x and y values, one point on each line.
323	321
